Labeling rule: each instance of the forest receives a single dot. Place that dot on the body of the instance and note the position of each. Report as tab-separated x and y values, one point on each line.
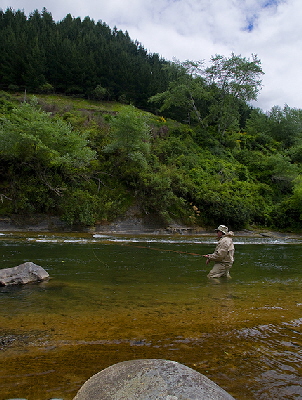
91	124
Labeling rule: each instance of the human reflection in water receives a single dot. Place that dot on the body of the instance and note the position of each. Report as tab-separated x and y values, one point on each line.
223	255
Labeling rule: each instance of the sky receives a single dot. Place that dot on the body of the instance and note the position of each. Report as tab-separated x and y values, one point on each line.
198	29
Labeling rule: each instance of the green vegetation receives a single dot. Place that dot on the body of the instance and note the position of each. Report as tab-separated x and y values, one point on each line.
76	57
178	140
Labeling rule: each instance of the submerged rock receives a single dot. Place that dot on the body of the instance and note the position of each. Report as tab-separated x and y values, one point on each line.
23	273
150	380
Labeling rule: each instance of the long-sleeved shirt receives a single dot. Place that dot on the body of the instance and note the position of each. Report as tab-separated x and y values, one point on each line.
224	251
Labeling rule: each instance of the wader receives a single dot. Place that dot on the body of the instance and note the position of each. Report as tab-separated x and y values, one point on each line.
223	257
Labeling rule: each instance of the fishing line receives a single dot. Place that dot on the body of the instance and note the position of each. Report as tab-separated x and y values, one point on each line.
101	261
143	247
157	249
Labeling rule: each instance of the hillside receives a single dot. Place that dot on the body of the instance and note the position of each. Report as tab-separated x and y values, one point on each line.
89	162
92	126
76	57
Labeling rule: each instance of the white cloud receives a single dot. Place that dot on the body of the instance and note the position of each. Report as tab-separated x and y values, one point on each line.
197	29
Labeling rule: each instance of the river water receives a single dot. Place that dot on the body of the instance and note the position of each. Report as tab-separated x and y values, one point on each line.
117	297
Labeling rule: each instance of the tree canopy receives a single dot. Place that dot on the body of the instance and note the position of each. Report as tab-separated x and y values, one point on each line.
76	57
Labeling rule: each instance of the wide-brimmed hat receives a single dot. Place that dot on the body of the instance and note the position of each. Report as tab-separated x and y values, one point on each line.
222	228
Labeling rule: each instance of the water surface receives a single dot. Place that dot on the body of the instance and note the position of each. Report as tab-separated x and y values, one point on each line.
116	298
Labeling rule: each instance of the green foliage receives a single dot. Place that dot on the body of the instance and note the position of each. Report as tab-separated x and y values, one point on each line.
39	156
155	192
213	95
185	99
180	172
29	135
257	133
237	80
46	88
99	92
79	207
225	191
236	75
282	172
287	214
6	103
130	138
87	204
289	210
286	125
237	203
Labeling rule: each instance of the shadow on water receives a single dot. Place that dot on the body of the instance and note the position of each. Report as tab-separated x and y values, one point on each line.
115	298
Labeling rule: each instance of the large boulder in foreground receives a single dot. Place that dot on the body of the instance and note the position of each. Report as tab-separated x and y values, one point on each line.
150	380
23	273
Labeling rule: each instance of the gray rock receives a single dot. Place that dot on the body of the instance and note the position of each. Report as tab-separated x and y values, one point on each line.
150	380
23	273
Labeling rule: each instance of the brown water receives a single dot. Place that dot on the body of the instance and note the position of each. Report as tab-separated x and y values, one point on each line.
118	298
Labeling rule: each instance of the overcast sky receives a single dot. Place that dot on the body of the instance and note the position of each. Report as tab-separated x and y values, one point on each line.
198	29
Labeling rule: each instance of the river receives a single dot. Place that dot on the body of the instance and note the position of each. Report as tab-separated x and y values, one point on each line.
113	298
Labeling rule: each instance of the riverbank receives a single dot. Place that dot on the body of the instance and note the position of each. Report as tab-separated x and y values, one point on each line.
130	225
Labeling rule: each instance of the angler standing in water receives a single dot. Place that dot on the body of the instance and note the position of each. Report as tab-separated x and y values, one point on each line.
223	255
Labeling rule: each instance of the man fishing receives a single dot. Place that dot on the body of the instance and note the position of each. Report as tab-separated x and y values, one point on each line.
223	255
